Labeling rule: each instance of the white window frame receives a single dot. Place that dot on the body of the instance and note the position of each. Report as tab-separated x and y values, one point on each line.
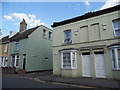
116	58
4	62
70	41
116	29
17	46
15	62
6	47
71	58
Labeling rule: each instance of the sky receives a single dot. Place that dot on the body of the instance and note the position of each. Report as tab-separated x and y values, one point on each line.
45	13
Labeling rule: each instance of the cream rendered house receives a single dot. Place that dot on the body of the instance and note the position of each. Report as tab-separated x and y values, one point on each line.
88	45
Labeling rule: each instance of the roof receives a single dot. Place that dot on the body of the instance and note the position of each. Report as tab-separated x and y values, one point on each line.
86	16
114	44
67	49
5	39
23	34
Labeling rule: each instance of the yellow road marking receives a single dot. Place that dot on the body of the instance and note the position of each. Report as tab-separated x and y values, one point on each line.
65	84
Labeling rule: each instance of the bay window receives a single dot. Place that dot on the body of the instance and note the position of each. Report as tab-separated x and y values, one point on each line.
68	59
116	25
15	60
115	56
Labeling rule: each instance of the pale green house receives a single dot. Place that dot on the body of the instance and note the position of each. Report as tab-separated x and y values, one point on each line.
31	49
88	45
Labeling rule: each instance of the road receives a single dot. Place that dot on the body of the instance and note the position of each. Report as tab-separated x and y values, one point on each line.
17	82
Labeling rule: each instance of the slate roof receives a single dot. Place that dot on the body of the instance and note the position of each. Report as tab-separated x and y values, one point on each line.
86	16
22	35
114	44
5	39
68	49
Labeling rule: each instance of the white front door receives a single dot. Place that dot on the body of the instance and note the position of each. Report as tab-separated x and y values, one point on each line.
86	65
100	65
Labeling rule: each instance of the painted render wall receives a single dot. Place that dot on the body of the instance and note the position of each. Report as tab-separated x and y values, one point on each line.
106	38
36	48
76	26
41	48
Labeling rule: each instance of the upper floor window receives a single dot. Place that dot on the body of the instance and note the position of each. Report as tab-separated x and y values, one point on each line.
116	24
50	35
115	55
17	46
67	34
44	32
5	47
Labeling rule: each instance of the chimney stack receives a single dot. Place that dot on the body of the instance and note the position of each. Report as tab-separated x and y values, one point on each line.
23	25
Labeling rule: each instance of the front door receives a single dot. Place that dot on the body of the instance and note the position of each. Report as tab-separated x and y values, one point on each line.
99	65
86	65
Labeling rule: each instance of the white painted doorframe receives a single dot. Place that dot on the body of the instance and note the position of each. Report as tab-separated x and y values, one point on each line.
100	65
86	65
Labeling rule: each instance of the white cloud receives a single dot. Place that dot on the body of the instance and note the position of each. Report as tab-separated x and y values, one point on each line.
30	19
8	18
87	3
110	3
36	23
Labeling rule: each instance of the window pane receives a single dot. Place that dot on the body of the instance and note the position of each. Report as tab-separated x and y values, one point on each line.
67	34
119	58
74	62
17	45
44	31
66	60
50	35
13	56
68	55
73	55
113	59
13	60
116	23
17	56
117	32
17	62
64	56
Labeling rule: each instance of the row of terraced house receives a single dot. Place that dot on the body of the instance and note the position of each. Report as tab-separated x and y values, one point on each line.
84	46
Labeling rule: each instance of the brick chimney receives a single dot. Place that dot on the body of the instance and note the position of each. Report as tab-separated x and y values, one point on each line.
23	26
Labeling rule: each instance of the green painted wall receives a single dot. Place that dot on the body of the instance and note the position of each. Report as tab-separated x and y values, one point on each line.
104	38
37	49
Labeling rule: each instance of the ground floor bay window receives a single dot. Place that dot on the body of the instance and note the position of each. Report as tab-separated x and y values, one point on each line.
4	61
68	59
15	60
115	57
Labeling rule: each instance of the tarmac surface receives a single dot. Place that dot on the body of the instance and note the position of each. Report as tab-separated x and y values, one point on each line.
89	82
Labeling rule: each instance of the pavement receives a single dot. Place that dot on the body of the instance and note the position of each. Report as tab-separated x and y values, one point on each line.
47	76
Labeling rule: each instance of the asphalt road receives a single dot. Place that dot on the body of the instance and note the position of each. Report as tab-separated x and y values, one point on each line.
17	82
